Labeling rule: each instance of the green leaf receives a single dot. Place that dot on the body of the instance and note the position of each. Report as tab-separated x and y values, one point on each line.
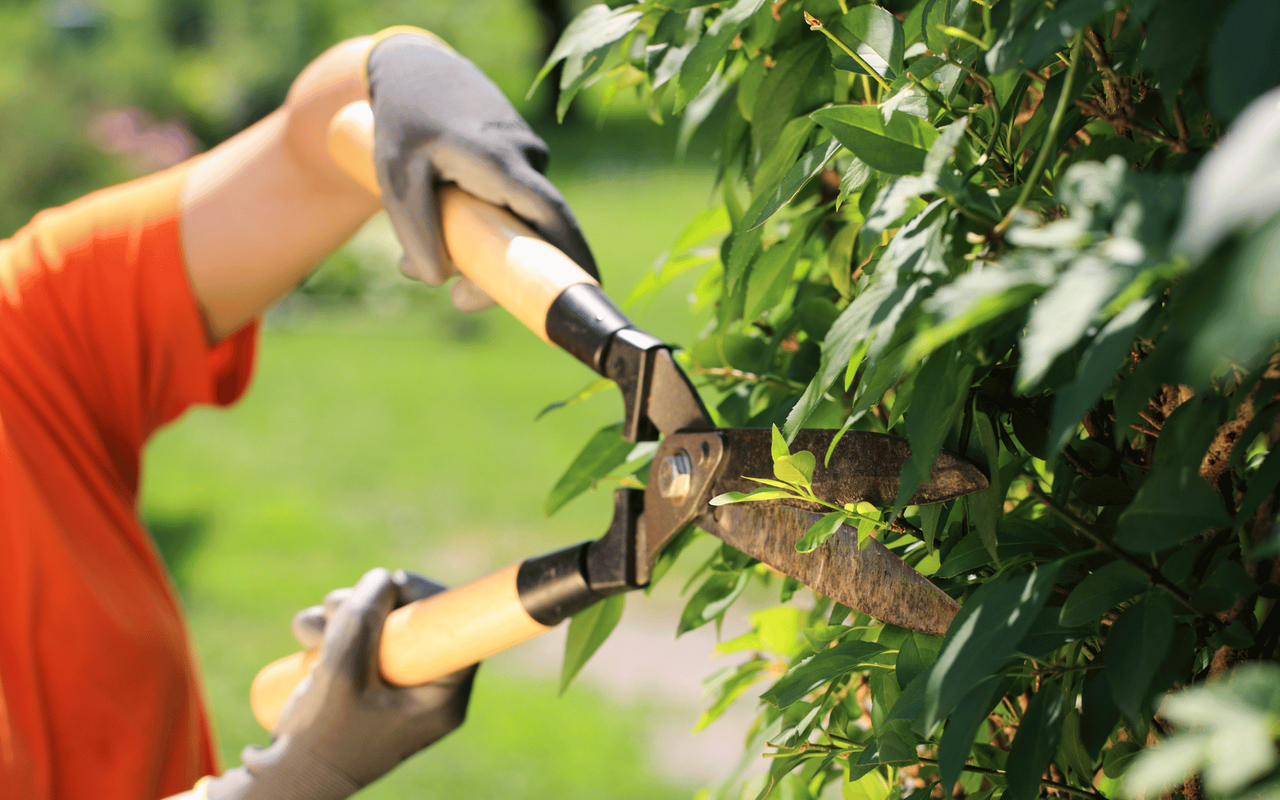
596	27
969	715
898	147
1027	40
1245	61
713	46
1220	590
1239	312
778	97
605	451
1036	743
778	444
941	12
674	57
715	595
781	157
744	245
670	554
869	786
1162	767
1104	589
1260	485
763	493
982	296
796	468
810	164
916	655
593	388
1063	315
1174	31
854	178
822	667
1136	645
1098	713
942	387
1077	757
879	31
821	531
773	272
1119	757
1173	504
986	507
982	637
1097	370
917	247
724	689
850	330
587	631
1226	730
582	70
1237	186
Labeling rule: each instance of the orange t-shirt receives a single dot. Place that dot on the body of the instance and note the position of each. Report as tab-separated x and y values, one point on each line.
101	343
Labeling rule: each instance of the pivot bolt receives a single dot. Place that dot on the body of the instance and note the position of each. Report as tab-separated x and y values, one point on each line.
675	476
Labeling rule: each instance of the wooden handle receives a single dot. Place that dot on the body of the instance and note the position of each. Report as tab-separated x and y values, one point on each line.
421	641
499	253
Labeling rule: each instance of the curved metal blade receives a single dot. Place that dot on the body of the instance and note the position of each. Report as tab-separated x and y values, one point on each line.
871	580
691	467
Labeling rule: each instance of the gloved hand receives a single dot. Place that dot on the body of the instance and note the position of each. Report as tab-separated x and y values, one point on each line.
344	727
439	119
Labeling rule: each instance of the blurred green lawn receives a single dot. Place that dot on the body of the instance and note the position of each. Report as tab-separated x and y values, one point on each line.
409	440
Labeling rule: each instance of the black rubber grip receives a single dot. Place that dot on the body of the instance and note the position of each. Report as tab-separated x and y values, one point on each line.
553	587
582	320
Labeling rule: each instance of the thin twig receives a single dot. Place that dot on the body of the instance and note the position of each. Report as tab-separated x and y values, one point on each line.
1119	121
816	25
1154	575
730	372
1050	137
1076	790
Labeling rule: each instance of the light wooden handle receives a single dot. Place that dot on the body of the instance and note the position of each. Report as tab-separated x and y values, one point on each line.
499	253
421	641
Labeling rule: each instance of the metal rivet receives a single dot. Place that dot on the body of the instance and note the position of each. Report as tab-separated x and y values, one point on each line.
675	476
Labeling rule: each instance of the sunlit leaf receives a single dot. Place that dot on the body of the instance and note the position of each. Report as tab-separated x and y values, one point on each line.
1136	645
604	451
821	531
713	45
982	637
1036	743
587	631
898	146
1173	504
824	666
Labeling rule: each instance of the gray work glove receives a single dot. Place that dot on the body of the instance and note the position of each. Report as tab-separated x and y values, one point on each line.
344	727
438	119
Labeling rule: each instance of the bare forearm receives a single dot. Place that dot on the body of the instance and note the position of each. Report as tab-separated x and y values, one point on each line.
261	209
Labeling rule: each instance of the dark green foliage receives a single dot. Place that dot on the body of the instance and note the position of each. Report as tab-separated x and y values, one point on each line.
1043	235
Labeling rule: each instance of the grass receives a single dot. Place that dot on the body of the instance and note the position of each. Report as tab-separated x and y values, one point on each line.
409	440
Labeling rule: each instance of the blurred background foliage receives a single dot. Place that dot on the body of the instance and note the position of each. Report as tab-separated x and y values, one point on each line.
96	91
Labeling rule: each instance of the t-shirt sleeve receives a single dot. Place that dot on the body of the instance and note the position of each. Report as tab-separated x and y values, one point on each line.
97	313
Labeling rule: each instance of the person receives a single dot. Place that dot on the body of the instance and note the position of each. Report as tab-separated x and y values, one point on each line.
122	309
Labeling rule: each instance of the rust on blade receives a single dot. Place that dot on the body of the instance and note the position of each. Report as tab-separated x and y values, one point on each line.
871	580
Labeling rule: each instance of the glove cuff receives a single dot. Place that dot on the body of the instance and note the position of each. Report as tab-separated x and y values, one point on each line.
396	30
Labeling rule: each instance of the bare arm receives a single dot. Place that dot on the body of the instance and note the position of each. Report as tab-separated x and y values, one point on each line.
262	208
